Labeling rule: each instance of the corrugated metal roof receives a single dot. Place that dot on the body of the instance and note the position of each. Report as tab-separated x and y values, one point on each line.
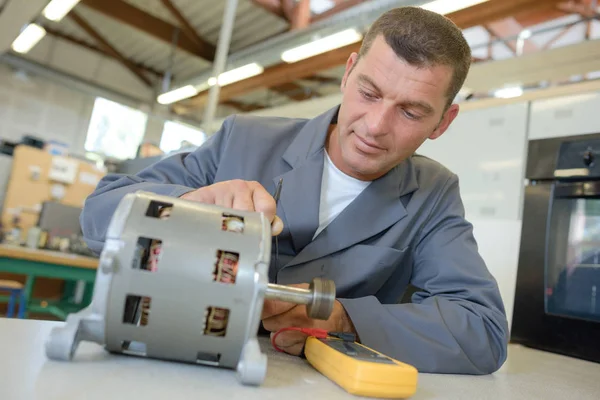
132	43
70	28
155	8
142	47
252	23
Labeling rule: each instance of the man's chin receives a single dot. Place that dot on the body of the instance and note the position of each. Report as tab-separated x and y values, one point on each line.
361	168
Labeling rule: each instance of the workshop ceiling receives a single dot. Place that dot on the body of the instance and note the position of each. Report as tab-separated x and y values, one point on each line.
160	45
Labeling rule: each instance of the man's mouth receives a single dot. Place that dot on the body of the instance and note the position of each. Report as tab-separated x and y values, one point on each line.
367	146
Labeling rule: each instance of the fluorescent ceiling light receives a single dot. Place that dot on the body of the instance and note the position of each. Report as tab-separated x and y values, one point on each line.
237	74
28	38
322	45
450	6
526	34
508	93
57	9
177	94
225	78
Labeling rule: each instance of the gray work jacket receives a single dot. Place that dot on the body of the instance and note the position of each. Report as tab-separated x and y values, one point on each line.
407	229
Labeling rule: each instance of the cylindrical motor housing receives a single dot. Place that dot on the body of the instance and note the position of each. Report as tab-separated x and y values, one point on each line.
184	281
188	281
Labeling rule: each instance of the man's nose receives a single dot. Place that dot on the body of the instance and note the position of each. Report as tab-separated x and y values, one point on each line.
378	120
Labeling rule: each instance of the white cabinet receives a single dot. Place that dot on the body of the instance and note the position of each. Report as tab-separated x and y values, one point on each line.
486	149
565	116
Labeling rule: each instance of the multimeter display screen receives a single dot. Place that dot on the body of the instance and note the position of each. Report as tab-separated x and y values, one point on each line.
356	351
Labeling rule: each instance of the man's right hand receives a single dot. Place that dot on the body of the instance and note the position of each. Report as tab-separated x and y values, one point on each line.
239	195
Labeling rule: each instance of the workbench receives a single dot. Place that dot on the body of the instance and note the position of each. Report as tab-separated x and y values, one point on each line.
26	373
35	263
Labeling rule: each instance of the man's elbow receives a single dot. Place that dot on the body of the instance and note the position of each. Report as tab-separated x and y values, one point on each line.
490	360
93	239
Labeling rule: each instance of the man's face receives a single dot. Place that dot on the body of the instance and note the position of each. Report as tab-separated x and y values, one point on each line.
389	108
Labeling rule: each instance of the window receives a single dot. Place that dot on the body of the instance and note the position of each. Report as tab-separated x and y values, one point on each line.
115	130
175	135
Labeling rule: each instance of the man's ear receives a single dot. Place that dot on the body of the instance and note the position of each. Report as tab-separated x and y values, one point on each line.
447	119
350	64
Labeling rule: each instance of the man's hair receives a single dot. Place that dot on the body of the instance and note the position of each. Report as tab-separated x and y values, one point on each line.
423	38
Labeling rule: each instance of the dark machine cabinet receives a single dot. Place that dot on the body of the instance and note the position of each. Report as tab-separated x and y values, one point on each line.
557	297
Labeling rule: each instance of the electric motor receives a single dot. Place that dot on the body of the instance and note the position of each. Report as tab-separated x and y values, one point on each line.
184	281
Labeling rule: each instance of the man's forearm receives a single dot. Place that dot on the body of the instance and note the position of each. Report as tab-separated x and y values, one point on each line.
438	336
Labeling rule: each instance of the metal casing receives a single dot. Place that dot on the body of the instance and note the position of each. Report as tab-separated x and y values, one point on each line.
180	289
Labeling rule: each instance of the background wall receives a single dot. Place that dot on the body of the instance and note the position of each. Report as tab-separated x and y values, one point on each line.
35	106
54	106
486	149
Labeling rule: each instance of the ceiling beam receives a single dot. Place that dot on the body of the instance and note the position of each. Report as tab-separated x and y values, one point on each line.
244	107
294	91
279	74
560	34
301	15
323	79
509	27
336	9
582	8
151	25
275	7
534	18
493	10
109	48
183	110
188	29
82	43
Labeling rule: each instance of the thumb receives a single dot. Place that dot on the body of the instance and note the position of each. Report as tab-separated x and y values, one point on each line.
272	308
276	226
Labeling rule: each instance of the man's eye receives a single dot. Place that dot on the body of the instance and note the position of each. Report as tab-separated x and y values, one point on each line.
410	115
366	95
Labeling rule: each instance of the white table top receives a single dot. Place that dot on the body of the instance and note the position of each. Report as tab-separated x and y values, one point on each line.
25	373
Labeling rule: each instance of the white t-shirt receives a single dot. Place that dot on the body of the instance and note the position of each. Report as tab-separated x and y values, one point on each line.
337	191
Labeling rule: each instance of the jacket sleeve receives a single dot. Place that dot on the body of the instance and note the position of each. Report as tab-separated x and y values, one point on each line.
172	176
456	321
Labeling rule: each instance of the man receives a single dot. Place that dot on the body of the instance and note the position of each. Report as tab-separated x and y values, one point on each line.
357	205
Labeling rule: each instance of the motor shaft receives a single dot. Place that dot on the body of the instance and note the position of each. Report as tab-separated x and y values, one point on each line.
318	298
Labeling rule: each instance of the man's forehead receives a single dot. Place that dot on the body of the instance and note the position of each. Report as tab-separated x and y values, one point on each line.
381	52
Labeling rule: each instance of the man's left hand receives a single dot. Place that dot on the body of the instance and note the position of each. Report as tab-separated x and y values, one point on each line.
277	315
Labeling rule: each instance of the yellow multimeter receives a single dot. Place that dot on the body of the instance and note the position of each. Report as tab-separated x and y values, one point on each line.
360	370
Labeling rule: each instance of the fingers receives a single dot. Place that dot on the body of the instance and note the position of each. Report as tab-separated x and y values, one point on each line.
263	201
276	226
243	195
201	195
225	199
292	342
275	307
242	200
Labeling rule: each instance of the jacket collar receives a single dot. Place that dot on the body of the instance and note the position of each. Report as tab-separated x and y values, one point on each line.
311	138
374	210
